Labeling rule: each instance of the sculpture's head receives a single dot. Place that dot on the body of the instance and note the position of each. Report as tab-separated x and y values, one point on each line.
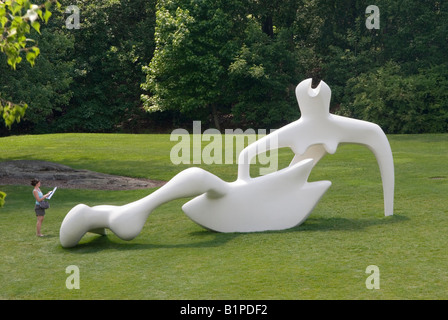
313	101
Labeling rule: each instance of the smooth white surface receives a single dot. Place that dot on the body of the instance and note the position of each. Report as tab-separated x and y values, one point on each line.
318	132
277	201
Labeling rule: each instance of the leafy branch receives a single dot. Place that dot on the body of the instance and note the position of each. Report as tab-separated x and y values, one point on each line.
17	17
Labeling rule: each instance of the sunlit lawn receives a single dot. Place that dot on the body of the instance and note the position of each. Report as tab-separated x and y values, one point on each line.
173	258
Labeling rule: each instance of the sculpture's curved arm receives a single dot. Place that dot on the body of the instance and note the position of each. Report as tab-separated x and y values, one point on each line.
269	142
372	136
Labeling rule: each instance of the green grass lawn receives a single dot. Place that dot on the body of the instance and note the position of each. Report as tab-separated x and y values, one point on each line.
173	258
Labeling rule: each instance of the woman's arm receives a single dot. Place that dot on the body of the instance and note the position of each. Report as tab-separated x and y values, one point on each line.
36	195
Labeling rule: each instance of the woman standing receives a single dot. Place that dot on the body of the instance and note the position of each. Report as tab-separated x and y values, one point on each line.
40	212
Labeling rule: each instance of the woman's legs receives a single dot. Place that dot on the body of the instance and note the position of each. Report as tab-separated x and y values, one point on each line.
40	219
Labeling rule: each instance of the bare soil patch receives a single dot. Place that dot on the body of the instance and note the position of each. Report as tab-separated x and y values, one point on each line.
21	172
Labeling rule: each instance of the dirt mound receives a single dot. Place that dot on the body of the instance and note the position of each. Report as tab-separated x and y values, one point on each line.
53	174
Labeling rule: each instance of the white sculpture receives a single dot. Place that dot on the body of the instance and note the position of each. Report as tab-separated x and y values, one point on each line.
277	201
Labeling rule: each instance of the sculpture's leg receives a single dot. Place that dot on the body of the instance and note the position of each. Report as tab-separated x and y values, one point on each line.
128	220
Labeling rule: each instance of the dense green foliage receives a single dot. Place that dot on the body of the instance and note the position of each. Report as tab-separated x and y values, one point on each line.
113	43
18	19
231	64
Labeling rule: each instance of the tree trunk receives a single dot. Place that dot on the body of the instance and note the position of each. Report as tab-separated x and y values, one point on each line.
268	26
215	117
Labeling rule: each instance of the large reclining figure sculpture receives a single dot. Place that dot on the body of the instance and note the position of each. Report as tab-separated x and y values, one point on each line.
276	201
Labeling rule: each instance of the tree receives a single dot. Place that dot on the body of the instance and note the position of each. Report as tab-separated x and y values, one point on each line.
262	76
195	45
46	86
113	43
17	17
400	103
219	60
391	75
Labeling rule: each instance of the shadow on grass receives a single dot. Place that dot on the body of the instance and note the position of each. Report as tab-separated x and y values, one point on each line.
110	241
323	224
202	239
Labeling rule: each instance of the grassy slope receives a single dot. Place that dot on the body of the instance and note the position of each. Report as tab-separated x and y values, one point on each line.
173	258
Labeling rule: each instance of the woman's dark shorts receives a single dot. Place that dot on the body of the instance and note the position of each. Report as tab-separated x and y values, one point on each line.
39	210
